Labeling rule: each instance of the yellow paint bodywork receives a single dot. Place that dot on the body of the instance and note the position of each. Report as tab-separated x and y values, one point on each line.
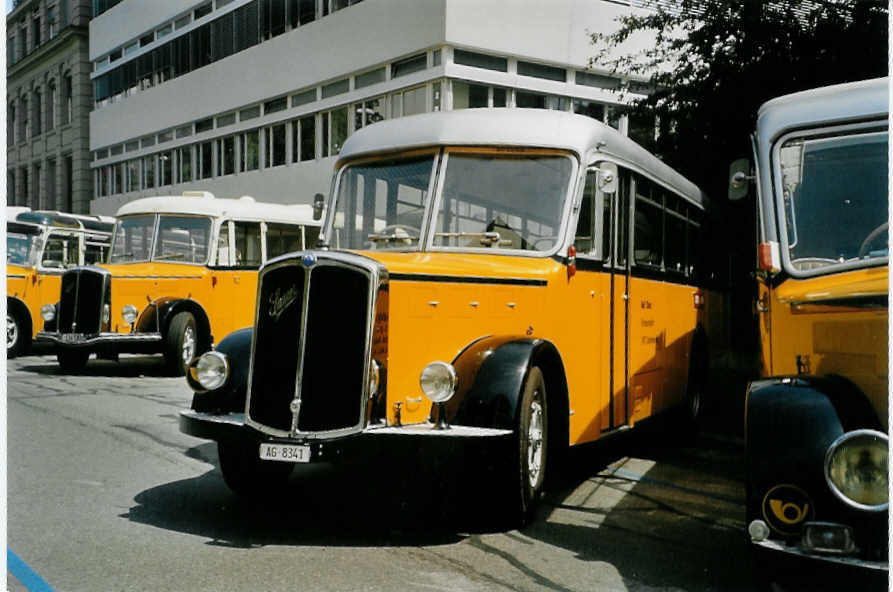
433	318
33	288
226	295
819	321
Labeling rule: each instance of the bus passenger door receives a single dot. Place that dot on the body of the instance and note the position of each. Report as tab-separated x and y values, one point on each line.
617	245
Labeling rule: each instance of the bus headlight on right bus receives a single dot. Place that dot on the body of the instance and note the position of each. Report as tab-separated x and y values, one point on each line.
856	469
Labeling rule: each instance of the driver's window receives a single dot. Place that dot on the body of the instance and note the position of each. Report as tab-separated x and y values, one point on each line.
61	252
223	256
593	212
247	244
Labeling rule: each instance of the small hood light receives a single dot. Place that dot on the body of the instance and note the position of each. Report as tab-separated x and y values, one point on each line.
758	531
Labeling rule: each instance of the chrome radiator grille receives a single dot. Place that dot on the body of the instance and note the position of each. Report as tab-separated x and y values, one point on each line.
84	293
311	347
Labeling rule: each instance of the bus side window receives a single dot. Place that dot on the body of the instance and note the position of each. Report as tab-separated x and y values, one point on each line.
674	232
648	231
282	238
247	243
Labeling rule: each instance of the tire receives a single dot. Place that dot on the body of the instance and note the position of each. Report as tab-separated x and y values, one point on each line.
246	474
532	445
181	343
18	335
72	361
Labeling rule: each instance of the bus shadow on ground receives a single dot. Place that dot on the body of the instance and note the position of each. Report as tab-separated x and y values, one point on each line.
126	366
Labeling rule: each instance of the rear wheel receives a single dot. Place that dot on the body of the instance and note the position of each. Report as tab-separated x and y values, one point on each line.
532	444
72	360
245	473
182	340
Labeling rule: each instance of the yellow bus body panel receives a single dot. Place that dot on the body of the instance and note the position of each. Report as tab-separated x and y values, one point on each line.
820	322
34	289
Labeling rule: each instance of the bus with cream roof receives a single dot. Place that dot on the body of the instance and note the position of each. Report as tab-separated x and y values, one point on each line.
182	270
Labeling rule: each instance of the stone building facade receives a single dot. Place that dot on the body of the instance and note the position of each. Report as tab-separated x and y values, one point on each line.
48	102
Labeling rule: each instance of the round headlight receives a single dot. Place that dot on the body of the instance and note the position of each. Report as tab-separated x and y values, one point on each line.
438	381
48	312
856	469
129	313
211	370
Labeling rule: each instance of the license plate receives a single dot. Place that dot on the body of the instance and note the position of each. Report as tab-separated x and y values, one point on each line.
285	453
72	337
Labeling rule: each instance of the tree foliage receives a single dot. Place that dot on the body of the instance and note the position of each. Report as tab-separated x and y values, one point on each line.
714	62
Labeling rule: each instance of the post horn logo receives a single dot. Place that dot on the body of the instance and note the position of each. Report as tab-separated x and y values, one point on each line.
786	508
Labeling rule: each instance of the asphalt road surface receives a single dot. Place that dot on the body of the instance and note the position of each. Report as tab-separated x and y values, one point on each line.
105	494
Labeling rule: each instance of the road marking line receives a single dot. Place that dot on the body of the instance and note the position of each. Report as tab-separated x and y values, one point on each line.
23	573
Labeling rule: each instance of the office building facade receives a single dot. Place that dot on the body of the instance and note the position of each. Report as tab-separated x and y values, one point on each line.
48	101
256	97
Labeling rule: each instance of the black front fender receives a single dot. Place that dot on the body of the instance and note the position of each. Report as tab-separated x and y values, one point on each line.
231	396
491	373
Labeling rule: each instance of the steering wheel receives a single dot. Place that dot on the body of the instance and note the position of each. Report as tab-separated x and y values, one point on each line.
863	248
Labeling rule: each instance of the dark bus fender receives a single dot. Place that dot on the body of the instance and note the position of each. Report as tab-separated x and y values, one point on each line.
231	396
157	316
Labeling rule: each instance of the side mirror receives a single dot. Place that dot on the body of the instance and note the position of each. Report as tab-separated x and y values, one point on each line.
739	179
319	202
607	177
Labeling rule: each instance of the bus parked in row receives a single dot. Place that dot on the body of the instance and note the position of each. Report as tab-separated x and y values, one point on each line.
507	278
816	423
182	270
40	246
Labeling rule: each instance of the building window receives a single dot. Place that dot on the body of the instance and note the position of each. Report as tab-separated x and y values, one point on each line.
531	100
275	105
368	78
542	71
368	112
184	165
51	105
206	160
408	102
102	181
37	199
23	176
272	18
249	155
303	98
590	109
149	172
226	155
117	179
166	168
469	96
249	113
133	175
26	127
303	137
335	88
204	125
51	183
302	12
10	51
183	132
409	65
225	120
203	10
11	125
596	80
480	60
67	98
35	29
37	113
275	145
11	187
334	131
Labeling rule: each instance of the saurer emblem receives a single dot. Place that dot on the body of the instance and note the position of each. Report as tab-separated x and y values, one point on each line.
280	301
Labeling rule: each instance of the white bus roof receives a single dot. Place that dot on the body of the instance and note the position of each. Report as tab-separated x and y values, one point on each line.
537	128
841	103
204	203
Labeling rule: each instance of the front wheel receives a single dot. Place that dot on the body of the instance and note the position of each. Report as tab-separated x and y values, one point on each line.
246	474
16	336
181	343
73	360
532	444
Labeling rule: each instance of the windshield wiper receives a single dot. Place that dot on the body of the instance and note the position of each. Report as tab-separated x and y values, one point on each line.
489	238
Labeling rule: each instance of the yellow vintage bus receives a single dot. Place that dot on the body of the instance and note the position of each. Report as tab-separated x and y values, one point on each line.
40	246
181	270
518	278
816	423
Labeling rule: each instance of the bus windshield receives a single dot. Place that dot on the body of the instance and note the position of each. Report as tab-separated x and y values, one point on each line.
21	248
834	192
133	239
490	200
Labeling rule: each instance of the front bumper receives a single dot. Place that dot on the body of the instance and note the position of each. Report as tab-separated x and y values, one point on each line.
111	342
779	547
231	426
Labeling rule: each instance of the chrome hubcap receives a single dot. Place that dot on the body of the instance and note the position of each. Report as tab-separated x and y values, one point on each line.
12	332
188	344
535	441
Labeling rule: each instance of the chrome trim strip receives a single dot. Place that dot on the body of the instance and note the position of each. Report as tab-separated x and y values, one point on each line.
465	279
56	337
302	343
428	430
153	277
15	276
780	547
